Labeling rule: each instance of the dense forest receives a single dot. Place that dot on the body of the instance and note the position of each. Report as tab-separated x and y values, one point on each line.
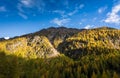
93	53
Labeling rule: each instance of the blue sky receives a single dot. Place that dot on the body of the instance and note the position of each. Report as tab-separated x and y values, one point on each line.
19	17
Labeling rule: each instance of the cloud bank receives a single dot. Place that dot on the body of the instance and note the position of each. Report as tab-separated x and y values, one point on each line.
60	22
113	16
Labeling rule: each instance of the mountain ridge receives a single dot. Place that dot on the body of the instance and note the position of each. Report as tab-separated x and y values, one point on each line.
91	53
58	40
57	28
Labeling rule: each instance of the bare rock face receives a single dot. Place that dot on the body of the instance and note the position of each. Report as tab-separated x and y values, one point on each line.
42	47
14	46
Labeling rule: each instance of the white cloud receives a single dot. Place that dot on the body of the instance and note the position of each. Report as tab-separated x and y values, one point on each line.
113	16
26	3
88	26
2	9
73	12
22	15
39	4
60	22
102	9
94	19
81	6
76	10
6	38
19	7
59	11
62	13
80	23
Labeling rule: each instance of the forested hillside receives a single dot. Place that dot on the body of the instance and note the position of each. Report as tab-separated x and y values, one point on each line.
62	53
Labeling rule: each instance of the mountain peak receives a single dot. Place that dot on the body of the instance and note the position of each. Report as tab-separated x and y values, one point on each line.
61	27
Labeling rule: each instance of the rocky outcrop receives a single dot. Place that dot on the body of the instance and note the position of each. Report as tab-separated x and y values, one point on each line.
42	47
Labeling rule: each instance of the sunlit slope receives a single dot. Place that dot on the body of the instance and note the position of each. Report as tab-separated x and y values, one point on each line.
94	41
32	47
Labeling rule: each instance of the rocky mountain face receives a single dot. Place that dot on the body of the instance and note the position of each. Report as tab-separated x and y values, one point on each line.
71	42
